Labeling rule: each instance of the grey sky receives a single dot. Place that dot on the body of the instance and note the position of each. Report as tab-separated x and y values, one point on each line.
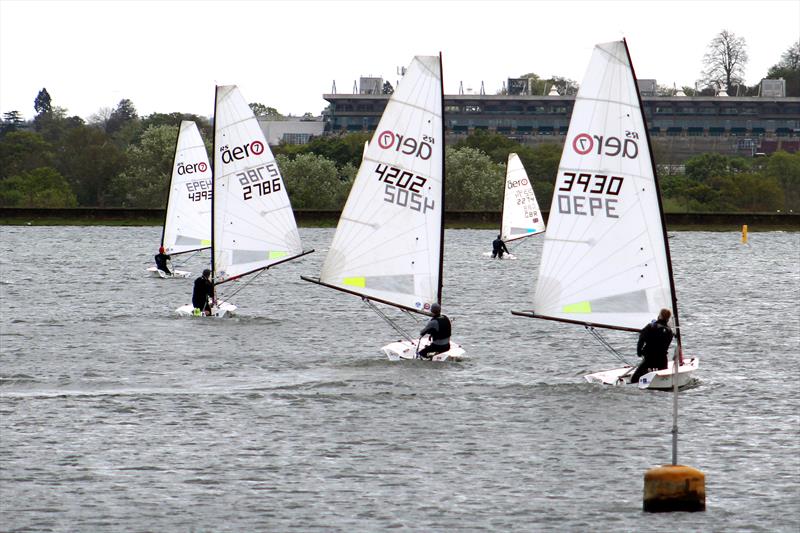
167	56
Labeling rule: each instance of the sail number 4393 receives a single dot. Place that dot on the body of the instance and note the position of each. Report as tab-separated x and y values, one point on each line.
261	181
404	188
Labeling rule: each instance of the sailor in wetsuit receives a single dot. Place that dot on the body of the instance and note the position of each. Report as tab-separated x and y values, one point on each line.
161	262
203	293
498	247
654	341
439	329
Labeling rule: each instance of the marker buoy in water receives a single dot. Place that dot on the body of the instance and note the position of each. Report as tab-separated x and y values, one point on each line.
744	234
672	488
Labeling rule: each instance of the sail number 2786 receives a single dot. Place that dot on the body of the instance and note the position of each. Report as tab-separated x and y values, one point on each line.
261	180
404	188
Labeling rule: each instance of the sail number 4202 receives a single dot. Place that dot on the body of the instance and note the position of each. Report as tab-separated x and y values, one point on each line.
404	188
261	180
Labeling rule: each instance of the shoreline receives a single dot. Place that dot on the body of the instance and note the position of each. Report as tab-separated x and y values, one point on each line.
329	219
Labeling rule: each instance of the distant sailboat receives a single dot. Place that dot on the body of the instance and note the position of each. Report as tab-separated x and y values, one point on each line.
605	261
521	215
388	244
187	223
253	225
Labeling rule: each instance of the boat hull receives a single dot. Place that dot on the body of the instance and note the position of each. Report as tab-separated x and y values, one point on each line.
156	273
221	310
656	380
505	256
405	350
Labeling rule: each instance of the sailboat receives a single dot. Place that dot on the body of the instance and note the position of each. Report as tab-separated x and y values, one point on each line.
605	262
252	223
388	244
187	223
521	215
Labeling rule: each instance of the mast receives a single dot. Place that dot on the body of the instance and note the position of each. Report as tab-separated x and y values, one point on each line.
169	186
213	187
660	203
679	348
441	236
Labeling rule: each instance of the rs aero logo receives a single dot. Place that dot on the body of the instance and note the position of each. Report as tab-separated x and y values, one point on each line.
191	168
583	144
240	152
517	183
408	145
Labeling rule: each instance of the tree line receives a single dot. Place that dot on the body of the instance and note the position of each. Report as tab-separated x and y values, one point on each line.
119	159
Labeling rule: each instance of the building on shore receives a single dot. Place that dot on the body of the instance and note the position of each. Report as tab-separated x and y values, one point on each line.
680	126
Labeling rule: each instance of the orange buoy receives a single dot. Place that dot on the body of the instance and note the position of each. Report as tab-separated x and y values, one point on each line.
744	234
672	488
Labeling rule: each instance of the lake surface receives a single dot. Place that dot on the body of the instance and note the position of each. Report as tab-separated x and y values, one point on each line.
117	416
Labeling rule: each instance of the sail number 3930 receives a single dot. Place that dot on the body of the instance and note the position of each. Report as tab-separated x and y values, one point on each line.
404	188
589	194
261	181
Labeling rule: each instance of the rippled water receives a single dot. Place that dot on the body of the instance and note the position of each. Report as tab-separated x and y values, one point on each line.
117	416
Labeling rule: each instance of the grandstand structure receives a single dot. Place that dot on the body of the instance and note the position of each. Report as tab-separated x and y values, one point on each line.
680	126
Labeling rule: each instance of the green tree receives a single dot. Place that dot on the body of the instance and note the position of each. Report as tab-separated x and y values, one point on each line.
89	160
12	121
40	187
23	151
724	61
785	169
789	69
495	145
43	102
474	181
314	182
705	166
145	181
124	114
262	111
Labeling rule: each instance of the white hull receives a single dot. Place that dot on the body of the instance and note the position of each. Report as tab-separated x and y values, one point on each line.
657	380
156	273
505	256
221	310
396	351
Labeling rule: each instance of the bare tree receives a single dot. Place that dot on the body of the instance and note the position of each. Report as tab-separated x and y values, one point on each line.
725	60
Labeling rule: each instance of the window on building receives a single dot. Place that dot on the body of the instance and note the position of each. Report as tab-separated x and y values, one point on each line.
472	108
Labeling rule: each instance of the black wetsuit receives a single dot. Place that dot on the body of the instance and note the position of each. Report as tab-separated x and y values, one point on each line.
498	247
654	341
161	263
203	293
439	329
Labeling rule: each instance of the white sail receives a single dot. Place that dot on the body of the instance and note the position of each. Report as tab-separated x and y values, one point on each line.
388	241
254	225
187	225
521	214
604	259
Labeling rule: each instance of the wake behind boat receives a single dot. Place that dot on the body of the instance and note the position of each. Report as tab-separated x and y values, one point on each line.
187	221
605	261
388	244
252	223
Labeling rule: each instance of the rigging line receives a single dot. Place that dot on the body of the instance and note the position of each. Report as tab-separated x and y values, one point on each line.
251	280
386	318
186	260
607	345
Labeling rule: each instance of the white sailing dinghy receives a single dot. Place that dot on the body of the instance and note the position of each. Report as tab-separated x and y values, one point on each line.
521	215
252	223
605	261
187	223
388	244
